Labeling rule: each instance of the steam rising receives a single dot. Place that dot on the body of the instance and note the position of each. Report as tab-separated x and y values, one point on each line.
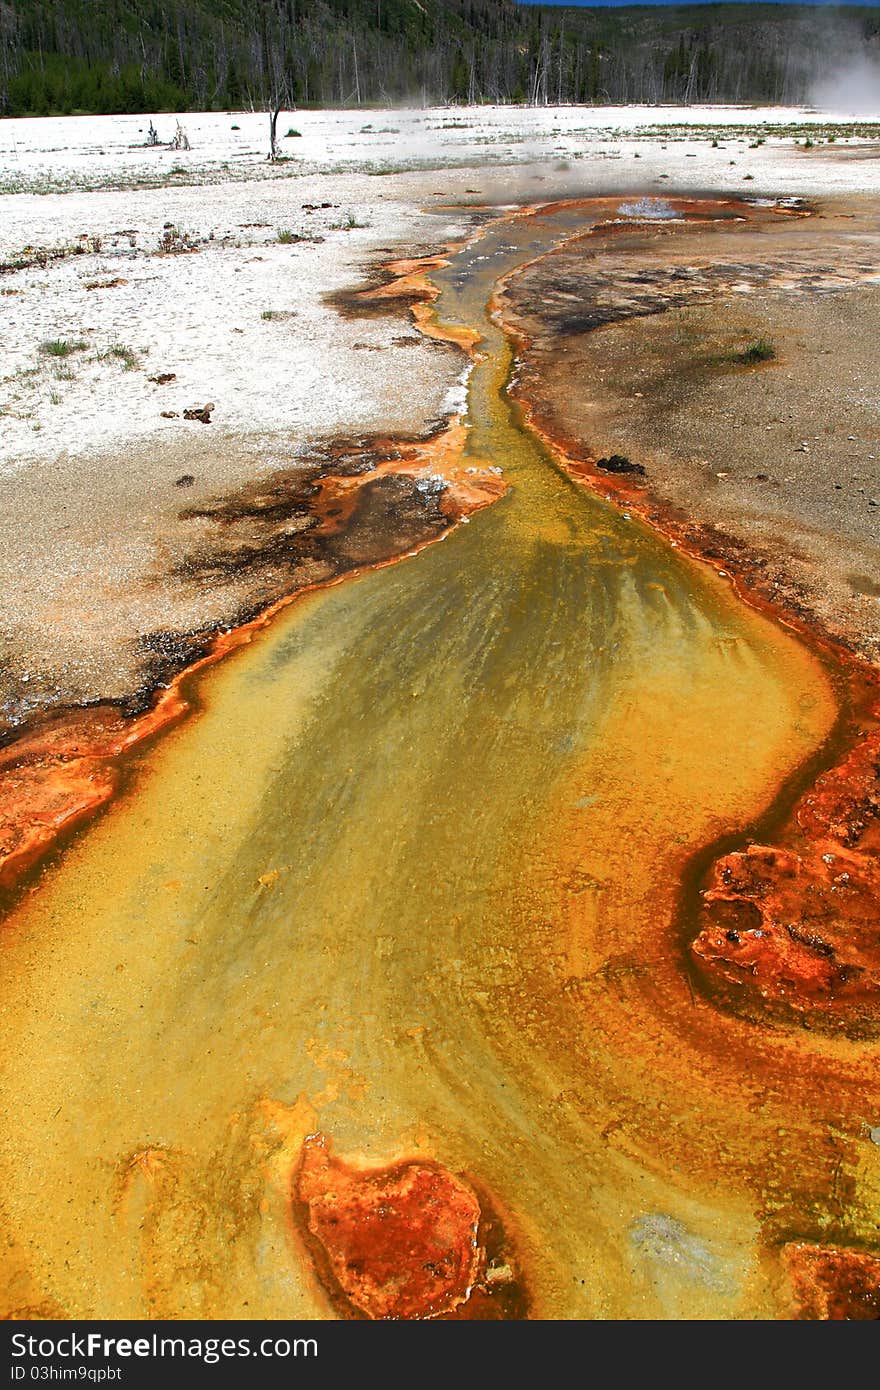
852	89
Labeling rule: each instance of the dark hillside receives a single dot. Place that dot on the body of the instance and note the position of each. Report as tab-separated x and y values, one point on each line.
145	55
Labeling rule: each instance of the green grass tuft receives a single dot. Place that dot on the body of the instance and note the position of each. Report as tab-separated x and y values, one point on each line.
61	347
761	350
348	225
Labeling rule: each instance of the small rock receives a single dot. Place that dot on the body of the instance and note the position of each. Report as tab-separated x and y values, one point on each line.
619	463
163	378
202	413
186	480
169	414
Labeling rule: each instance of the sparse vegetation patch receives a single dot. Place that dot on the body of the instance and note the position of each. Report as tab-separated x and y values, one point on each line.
118	352
175	242
30	256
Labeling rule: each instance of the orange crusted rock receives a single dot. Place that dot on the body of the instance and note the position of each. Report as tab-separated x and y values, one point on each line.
800	928
400	1241
802	931
844	805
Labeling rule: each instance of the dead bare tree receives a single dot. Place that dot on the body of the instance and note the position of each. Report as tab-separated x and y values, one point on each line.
540	75
278	81
275	109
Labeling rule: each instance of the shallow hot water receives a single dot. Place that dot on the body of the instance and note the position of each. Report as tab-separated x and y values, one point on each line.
410	878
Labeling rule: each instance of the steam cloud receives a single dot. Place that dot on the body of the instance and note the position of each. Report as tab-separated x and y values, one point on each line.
853	88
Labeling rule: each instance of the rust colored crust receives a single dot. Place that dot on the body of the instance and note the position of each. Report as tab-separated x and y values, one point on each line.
61	771
833	1284
466	492
791	928
408	285
401	1242
67	765
406	1241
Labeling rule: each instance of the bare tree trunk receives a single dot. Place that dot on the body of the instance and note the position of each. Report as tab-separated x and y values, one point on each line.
538	94
691	82
559	71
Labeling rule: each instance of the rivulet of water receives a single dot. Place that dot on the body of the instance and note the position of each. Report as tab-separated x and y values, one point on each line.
409	877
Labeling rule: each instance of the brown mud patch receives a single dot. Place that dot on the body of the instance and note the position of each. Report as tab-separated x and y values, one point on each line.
788	929
409	1240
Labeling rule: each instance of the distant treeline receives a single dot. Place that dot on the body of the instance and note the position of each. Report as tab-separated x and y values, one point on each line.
64	56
